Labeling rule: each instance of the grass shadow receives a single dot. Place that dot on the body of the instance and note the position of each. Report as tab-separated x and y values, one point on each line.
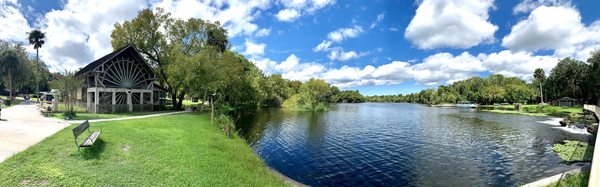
94	151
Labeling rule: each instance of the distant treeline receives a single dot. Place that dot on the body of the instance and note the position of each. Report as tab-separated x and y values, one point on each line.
570	78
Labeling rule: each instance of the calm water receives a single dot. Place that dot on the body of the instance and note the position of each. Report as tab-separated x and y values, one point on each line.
376	144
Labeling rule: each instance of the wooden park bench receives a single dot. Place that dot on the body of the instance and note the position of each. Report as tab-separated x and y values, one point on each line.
89	141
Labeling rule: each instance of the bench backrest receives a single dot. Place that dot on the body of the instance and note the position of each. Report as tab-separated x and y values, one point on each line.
80	128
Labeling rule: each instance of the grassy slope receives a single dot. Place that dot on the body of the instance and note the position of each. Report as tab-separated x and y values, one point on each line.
579	179
532	110
574	151
176	150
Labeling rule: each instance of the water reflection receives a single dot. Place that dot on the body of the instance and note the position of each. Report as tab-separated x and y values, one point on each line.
405	145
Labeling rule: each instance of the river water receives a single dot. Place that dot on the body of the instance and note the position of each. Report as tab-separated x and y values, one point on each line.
396	144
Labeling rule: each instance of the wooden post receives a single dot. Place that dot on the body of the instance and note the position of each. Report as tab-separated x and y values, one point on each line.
89	101
114	101
129	101
142	100
96	100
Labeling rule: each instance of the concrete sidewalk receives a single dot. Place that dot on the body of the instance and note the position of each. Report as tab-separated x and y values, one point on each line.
22	126
126	118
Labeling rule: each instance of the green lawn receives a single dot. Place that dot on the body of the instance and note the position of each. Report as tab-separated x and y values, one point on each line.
174	150
574	180
533	110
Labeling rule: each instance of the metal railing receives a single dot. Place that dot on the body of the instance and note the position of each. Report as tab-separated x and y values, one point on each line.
595	171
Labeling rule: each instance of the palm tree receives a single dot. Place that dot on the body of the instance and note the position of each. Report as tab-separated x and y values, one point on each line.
9	62
540	76
36	38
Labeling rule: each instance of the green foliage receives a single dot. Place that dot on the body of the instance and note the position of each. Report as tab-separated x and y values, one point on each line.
493	89
348	96
305	101
574	151
568	79
15	68
580	179
173	150
68	86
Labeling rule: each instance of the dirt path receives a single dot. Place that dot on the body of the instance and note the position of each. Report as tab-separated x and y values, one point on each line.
22	126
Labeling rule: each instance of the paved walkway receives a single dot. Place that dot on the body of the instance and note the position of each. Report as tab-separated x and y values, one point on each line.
126	118
22	126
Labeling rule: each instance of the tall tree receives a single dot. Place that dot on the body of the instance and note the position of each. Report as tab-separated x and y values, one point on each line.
594	77
540	76
167	42
13	66
37	39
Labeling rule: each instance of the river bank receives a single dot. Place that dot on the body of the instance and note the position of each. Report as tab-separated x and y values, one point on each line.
175	150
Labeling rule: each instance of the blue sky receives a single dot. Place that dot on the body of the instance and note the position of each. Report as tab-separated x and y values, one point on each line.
376	47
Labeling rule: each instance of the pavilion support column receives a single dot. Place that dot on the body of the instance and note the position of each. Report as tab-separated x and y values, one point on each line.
152	100
129	102
96	101
89	101
142	100
114	101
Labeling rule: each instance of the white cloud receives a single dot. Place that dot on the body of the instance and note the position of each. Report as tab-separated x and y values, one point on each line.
287	15
545	28
263	32
378	20
517	64
344	33
293	9
80	33
13	25
288	64
341	55
526	6
290	68
237	16
554	28
323	46
254	49
451	23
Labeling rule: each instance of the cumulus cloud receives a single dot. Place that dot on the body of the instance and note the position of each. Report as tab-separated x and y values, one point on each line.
290	68
80	32
263	32
13	24
237	16
323	46
287	15
451	23
341	55
254	49
344	33
293	9
557	28
517	64
526	6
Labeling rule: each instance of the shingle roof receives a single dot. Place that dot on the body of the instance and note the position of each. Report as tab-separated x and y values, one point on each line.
102	60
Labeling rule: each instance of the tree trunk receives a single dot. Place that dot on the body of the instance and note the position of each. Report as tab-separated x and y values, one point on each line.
37	76
180	101
10	87
174	101
212	111
203	99
541	93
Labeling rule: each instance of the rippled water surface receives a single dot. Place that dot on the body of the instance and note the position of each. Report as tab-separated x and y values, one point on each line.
378	144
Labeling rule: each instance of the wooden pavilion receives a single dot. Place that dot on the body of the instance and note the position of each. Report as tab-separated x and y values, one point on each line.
121	81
